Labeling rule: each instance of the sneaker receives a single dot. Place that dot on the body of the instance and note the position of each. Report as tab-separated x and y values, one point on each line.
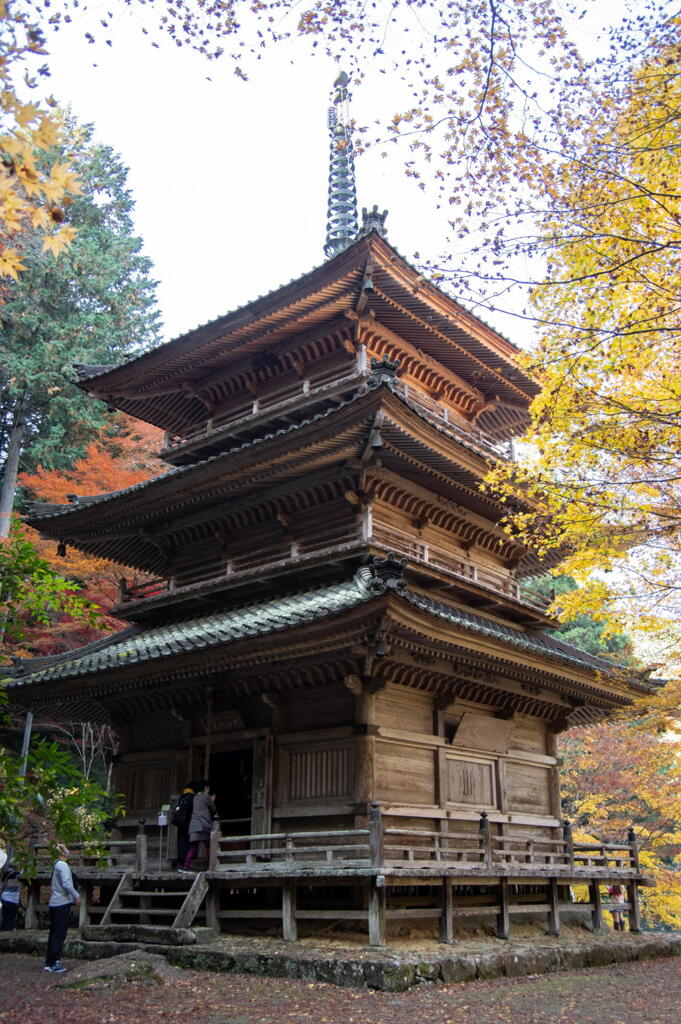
182	871
57	968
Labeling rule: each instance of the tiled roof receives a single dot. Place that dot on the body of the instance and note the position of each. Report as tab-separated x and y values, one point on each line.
205	631
44	510
224	627
89	372
538	643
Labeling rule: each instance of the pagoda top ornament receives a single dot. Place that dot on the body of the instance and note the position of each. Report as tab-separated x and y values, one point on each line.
342	224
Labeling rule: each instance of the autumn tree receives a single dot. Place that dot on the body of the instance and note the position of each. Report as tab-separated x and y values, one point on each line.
606	438
94	304
34	181
623	773
121	454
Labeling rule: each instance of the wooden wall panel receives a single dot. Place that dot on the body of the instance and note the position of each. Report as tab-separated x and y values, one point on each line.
398	707
470	782
150	783
528	734
321	774
528	788
404	774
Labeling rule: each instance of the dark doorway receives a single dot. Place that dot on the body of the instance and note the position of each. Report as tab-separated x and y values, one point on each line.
231	779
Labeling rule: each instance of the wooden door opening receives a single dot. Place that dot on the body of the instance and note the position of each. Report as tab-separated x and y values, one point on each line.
231	779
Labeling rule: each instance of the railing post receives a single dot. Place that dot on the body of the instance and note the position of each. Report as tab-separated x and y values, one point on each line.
485	839
141	847
633	847
376	835
214	847
569	850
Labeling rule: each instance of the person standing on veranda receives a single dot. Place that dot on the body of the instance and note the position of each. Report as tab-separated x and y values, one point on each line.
203	813
63	896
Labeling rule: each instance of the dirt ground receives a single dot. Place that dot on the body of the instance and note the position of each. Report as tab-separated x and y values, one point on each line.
648	992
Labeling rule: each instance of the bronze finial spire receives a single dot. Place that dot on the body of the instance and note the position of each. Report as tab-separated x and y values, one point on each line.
341	226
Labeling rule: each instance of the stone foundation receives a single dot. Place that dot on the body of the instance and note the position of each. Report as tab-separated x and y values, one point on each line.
388	972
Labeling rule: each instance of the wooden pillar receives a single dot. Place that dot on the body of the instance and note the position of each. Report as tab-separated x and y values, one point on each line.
376	835
446	919
485	839
212	907
596	905
503	918
288	909
32	900
634	908
365	746
141	847
554	911
85	903
568	849
377	907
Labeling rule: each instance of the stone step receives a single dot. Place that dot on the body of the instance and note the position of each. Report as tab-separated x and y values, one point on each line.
143	933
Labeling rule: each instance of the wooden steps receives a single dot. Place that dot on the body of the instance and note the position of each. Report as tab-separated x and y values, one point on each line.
143	901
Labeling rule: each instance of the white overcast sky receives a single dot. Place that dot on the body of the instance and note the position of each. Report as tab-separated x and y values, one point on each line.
229	177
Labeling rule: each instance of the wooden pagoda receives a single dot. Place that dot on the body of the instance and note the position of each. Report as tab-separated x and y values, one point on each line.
333	625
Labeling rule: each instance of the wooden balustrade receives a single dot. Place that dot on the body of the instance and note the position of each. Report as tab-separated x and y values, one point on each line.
403	849
207	572
403	543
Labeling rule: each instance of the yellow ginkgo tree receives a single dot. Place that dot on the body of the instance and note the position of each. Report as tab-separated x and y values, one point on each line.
604	452
30	196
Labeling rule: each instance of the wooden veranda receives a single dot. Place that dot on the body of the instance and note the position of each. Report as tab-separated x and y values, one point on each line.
367	877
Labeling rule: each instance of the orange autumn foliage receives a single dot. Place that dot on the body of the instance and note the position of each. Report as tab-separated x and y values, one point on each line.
123	455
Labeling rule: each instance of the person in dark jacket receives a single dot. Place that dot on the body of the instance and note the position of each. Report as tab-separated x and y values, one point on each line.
183	811
203	813
11	891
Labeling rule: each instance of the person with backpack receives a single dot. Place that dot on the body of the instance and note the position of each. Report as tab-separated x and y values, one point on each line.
9	897
201	823
64	895
180	819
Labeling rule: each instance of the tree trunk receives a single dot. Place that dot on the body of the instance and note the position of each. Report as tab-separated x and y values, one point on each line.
9	479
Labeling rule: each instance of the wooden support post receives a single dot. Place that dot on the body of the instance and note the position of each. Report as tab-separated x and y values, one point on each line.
446	920
554	912
376	835
597	907
141	848
485	839
634	907
212	907
503	918
214	847
633	847
568	849
85	901
377	919
288	911
32	900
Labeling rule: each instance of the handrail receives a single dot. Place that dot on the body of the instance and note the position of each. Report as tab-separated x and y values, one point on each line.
418	550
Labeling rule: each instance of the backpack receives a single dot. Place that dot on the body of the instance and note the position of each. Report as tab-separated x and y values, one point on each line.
182	814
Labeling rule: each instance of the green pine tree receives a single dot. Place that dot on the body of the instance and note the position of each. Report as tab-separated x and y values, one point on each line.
583	631
94	304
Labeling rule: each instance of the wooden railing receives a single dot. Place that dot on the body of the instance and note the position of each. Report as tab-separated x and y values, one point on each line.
469	435
249	562
477	852
104	854
384	847
447	561
291	395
